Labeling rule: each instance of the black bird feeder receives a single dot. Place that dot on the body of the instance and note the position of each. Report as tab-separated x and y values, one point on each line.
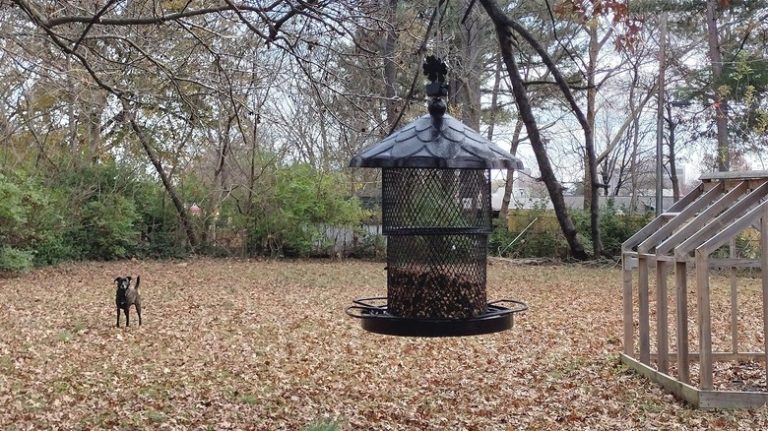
436	213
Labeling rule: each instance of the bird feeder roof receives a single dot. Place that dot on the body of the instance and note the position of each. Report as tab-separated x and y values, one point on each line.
430	143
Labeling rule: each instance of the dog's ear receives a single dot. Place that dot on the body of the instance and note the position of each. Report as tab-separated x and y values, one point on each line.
128	278
117	280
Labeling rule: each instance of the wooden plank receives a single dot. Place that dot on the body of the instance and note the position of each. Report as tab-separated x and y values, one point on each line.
662	319
689	211
702	399
644	311
718	356
732	229
651	227
679	389
705	322
655	258
631	262
734	263
649	256
734	301
734	175
716	225
764	276
703	217
722	400
681	287
629	340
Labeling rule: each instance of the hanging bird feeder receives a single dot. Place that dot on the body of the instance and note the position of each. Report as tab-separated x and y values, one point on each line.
436	214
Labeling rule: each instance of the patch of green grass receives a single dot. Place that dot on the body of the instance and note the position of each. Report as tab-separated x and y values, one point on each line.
618	367
322	425
156	416
68	335
79	327
155	392
248	399
65	336
567	368
103	419
60	387
6	364
651	406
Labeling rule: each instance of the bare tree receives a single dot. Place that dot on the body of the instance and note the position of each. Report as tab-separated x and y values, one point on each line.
182	67
720	103
504	25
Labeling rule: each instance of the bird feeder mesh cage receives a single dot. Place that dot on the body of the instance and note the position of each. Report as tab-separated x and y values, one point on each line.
437	222
436	214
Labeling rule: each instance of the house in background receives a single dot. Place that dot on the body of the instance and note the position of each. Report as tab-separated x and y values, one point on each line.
530	193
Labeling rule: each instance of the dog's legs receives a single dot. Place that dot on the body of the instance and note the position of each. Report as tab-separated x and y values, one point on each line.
127	317
118	317
138	311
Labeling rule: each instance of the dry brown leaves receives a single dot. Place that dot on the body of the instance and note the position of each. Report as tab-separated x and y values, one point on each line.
266	345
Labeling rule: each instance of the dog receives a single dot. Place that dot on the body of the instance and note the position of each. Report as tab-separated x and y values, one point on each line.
125	296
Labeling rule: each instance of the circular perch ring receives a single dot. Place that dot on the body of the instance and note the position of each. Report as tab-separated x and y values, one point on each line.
375	318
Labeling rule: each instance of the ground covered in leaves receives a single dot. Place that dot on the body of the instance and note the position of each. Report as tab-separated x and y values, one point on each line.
266	345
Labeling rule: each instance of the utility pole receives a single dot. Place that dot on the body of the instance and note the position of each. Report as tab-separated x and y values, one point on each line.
660	118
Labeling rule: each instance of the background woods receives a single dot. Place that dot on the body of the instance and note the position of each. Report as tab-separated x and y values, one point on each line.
159	128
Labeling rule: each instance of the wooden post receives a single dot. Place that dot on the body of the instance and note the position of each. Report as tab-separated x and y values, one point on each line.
643	312
734	303
764	276
629	342
662	336
705	322
681	282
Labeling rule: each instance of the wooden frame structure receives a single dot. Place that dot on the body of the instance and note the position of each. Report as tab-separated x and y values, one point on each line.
709	217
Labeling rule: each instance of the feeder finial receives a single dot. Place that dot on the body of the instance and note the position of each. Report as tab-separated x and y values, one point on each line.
435	69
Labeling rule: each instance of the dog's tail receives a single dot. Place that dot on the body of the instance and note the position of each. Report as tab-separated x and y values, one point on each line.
138	281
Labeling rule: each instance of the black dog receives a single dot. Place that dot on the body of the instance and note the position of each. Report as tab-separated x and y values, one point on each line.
125	296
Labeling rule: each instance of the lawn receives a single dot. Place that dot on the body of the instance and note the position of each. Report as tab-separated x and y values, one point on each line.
266	345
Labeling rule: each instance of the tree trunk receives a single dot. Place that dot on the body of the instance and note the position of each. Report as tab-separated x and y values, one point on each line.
390	67
526	114
671	125
220	179
180	210
633	166
591	113
503	25
591	194
660	93
464	82
509	180
721	104
495	96
509	183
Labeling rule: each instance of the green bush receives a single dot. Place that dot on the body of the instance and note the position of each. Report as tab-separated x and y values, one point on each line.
32	219
13	261
55	248
289	217
107	228
615	228
528	245
12	214
23	207
370	246
157	223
